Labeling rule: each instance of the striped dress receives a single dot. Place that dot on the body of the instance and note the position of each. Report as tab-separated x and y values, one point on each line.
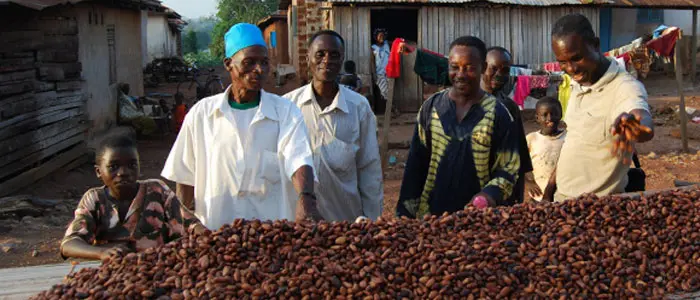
450	162
381	59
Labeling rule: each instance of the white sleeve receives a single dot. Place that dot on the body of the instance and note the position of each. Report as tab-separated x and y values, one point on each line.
369	167
181	162
294	143
631	95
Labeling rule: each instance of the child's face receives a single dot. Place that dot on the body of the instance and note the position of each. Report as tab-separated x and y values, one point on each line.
119	169
548	117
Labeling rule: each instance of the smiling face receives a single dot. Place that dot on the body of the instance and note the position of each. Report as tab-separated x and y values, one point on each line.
326	58
497	69
465	69
249	67
548	116
119	168
578	57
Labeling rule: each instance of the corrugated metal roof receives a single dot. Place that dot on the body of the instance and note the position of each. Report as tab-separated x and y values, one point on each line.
42	4
658	3
506	2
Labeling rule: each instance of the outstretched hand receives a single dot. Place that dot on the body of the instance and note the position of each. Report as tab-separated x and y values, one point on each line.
627	130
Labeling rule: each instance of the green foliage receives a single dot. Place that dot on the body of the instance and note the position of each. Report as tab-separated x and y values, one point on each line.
237	11
189	42
204	59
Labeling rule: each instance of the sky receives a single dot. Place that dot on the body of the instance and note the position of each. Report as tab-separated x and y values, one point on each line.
192	9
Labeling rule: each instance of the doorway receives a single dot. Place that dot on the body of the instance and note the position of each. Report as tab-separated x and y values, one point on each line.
399	23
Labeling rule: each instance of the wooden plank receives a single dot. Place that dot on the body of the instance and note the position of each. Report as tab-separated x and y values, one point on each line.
16	41
58	26
16	64
449	25
16	88
24	282
44	86
679	82
16	183
69	85
17	76
28	117
364	32
32	158
694	48
56	55
384	150
35	136
40	100
39	120
8	158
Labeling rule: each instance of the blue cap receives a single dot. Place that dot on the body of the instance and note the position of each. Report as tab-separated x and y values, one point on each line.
241	36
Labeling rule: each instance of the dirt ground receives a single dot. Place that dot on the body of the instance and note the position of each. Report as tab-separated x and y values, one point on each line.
34	241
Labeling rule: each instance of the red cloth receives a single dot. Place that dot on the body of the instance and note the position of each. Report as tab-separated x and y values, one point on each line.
393	68
552	67
522	90
179	115
664	44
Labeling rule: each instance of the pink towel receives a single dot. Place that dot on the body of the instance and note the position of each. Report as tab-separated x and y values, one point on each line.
552	67
522	90
539	81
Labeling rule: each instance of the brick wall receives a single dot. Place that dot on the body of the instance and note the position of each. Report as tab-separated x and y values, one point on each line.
311	17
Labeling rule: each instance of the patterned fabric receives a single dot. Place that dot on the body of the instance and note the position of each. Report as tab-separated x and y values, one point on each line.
381	59
155	217
449	162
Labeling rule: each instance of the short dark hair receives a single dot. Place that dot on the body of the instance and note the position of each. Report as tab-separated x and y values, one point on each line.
326	32
548	100
499	49
114	142
471	41
574	24
349	66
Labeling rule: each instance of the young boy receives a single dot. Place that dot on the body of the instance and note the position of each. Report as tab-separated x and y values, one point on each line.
126	214
350	78
179	111
544	146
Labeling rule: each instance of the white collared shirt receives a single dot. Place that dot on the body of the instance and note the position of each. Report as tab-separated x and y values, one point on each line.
346	154
236	177
586	164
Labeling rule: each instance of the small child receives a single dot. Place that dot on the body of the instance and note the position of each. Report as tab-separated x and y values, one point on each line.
179	111
544	146
350	78
126	214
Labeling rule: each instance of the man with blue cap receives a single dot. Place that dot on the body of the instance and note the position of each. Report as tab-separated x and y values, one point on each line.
244	153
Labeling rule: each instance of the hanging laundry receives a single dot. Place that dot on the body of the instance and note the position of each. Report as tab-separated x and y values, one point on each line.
552	67
659	30
522	90
431	67
665	44
393	68
564	92
539	81
517	71
626	48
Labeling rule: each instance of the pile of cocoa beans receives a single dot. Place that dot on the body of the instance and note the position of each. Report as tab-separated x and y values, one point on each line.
590	247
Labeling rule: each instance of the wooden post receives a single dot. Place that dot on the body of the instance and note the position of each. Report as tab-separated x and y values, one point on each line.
679	81
384	149
693	48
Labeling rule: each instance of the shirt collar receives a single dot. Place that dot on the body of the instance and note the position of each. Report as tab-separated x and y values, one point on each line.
339	101
266	109
608	77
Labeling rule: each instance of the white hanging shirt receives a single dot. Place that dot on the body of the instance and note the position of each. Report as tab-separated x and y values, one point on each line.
240	171
346	154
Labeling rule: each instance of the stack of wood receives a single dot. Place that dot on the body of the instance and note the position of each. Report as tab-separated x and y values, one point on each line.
42	106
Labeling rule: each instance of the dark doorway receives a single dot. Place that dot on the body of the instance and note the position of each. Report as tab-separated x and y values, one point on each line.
400	23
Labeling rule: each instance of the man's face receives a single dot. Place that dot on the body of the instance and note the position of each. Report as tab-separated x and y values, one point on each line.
249	67
326	58
465	69
548	117
578	58
497	69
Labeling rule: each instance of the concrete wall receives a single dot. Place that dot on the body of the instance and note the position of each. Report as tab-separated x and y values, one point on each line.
95	58
681	18
623	32
161	41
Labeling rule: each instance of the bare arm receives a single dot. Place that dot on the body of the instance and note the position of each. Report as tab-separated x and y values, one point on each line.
551	188
303	181
186	195
78	248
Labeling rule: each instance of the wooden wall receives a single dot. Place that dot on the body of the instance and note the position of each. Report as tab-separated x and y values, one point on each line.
354	25
525	31
42	106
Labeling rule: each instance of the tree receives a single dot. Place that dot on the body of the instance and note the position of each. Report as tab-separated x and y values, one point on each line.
237	11
189	43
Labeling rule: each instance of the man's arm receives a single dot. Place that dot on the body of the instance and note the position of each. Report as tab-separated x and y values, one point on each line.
307	206
369	167
551	188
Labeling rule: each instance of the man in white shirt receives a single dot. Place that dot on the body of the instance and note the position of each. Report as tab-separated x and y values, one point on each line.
606	115
342	128
244	153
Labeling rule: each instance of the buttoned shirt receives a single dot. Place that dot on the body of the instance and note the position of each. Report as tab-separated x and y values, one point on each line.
346	154
586	164
240	178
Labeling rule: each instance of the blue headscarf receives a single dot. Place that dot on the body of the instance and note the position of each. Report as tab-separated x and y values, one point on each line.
241	36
